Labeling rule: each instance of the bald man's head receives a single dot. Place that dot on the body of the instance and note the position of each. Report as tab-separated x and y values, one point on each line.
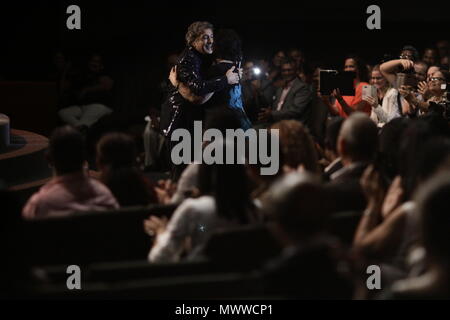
358	138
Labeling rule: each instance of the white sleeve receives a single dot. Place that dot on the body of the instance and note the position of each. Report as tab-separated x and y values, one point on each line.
169	245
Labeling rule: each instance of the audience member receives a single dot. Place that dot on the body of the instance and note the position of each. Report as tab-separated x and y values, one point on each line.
387	106
71	189
308	266
92	96
116	160
292	100
222	204
296	146
346	105
357	145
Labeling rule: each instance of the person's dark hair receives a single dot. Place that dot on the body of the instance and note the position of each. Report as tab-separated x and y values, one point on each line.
116	157
413	50
332	133
434	207
228	184
297	203
116	150
390	138
296	145
66	151
411	148
227	45
362	71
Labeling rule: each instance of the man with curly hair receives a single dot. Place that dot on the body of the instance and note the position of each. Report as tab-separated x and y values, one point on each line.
185	108
189	72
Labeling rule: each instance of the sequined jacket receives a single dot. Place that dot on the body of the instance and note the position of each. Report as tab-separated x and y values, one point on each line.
182	112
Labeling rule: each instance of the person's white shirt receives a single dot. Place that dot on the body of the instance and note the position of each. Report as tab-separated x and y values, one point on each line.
388	110
194	219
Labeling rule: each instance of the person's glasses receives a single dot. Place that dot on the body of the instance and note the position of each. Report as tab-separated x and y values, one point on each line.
436	79
406	56
377	78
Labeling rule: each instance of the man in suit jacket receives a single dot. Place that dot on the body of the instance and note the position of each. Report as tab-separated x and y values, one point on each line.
292	100
356	145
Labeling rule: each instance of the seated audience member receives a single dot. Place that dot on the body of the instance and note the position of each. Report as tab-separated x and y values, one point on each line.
430	56
92	96
432	95
390	138
357	145
292	101
387	106
296	146
223	203
297	208
388	233
331	154
433	219
344	106
71	189
116	160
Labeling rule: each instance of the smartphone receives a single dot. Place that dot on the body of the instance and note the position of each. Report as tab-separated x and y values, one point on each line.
405	79
369	90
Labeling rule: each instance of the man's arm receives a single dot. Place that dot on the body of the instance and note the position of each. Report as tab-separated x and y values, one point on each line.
297	107
188	73
184	90
188	95
389	68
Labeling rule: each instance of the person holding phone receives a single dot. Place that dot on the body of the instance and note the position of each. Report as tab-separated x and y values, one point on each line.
385	105
345	105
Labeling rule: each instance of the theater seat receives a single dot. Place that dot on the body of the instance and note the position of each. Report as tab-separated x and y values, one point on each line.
88	237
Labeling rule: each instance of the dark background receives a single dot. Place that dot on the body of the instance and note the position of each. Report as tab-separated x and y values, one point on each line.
135	36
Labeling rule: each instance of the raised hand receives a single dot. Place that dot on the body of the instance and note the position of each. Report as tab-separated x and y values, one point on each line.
406	64
232	77
173	77
371	100
154	226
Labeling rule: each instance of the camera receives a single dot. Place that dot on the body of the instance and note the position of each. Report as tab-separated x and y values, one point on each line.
406	79
256	73
333	79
